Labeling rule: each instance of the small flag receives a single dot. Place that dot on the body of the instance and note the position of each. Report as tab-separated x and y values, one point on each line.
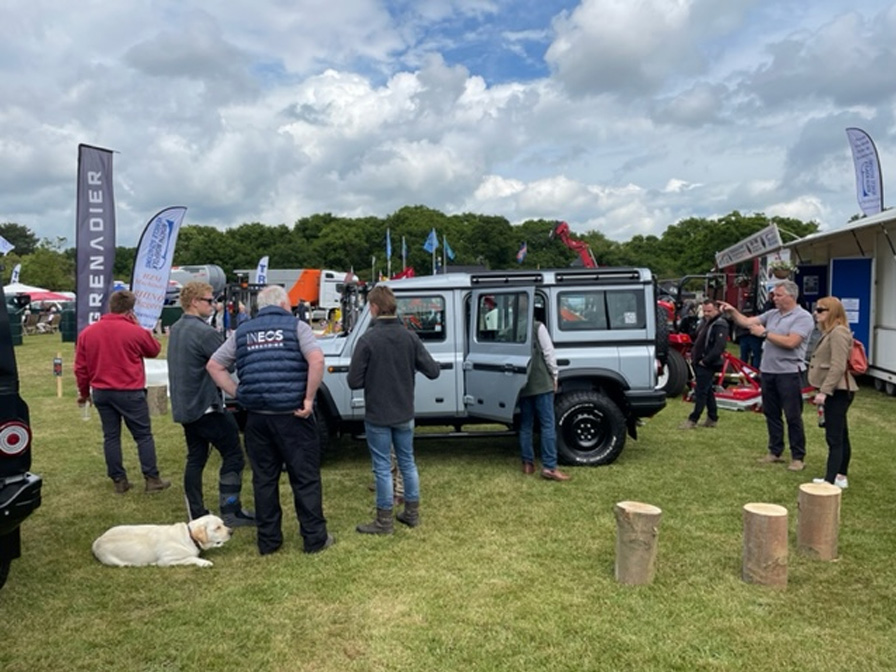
14	278
432	242
448	250
388	244
521	255
5	246
261	273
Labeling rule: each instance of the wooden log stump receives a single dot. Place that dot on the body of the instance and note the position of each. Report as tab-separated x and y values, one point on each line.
818	520
637	530
157	399
765	545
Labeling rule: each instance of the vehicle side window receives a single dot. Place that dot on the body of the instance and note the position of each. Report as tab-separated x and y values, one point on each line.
424	315
601	310
503	318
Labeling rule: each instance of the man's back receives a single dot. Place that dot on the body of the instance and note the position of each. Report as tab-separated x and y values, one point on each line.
110	353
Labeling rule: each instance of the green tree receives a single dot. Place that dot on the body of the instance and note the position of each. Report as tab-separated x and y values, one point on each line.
20	236
50	267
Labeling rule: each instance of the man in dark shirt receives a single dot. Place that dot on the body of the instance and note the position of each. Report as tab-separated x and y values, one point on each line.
706	356
197	404
384	364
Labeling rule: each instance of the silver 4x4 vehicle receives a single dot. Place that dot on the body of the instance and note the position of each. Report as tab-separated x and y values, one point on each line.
479	327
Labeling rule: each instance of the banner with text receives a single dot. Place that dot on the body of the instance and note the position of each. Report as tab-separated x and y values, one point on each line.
869	184
261	272
94	234
760	243
152	265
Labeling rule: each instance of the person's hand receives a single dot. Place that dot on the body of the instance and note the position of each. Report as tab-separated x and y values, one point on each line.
306	410
83	400
819	399
757	329
725	307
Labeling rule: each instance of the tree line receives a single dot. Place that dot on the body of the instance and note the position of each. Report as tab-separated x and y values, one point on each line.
343	243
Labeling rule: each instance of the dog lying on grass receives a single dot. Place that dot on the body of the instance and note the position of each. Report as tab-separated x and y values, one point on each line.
161	545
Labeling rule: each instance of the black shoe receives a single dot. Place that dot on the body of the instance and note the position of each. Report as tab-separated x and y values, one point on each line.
329	542
240	518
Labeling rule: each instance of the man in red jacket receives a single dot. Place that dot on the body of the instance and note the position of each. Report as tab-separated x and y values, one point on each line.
109	359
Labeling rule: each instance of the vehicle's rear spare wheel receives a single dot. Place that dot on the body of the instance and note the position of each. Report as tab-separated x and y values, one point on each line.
674	378
590	428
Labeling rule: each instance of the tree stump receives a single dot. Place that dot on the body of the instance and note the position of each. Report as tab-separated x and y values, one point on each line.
637	529
818	520
765	545
157	399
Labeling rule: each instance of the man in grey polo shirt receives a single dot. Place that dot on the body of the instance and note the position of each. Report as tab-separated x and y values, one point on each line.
785	331
197	404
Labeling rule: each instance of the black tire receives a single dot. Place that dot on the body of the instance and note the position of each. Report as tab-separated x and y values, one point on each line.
662	335
324	430
676	374
4	569
879	384
590	429
890	388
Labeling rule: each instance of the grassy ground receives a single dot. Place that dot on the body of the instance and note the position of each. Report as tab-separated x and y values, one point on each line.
507	572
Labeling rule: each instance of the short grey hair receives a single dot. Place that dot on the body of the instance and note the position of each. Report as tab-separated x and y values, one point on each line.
272	295
790	287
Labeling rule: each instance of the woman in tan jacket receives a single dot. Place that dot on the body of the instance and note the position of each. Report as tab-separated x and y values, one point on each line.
836	386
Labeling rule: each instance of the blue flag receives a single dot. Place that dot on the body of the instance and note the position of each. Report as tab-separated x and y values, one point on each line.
521	255
448	251
432	242
388	244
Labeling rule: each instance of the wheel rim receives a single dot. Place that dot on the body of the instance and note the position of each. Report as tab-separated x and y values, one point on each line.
584	428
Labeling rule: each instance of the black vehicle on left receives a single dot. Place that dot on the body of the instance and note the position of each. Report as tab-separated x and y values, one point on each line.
19	488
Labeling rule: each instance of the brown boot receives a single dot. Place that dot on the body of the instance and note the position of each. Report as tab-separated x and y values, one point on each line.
121	485
156	484
411	514
382	524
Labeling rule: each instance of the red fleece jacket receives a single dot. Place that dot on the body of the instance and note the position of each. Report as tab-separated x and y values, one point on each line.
109	354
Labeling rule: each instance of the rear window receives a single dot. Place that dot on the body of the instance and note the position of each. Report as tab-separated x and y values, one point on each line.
601	310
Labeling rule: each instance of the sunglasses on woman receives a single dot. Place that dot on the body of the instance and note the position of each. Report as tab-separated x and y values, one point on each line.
821	310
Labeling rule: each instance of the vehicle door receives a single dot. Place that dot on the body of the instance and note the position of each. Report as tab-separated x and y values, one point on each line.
500	349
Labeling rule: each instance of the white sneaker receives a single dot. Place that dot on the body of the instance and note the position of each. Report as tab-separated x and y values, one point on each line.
842	482
819	480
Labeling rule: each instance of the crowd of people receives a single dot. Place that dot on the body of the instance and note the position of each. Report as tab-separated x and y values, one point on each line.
786	367
279	366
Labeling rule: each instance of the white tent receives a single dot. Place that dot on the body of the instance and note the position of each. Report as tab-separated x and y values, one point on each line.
36	293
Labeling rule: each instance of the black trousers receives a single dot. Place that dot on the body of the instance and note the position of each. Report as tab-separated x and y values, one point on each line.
221	431
836	433
271	442
704	380
113	406
783	392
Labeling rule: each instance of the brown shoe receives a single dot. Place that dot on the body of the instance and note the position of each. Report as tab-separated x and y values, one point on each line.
688	424
770	458
554	475
121	485
709	423
796	465
156	484
528	468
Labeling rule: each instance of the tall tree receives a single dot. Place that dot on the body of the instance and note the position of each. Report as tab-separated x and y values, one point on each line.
20	236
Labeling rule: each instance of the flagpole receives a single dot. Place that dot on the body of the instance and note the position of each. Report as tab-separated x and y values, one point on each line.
404	254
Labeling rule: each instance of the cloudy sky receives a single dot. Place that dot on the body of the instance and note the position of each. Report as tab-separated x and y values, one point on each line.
622	116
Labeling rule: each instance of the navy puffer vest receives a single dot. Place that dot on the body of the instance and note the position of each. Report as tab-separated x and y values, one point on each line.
273	372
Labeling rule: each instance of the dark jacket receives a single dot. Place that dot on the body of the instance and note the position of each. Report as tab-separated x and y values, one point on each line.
710	344
384	364
191	343
273	372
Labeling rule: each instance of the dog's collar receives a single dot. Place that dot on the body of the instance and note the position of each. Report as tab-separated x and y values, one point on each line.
192	538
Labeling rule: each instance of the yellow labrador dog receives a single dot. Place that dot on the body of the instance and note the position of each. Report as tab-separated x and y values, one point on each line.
161	545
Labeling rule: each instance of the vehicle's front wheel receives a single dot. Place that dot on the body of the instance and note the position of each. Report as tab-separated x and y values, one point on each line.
590	428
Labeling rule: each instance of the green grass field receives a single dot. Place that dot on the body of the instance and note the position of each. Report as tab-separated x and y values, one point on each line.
507	572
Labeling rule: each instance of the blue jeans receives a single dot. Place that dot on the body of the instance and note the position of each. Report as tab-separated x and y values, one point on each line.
541	405
380	441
